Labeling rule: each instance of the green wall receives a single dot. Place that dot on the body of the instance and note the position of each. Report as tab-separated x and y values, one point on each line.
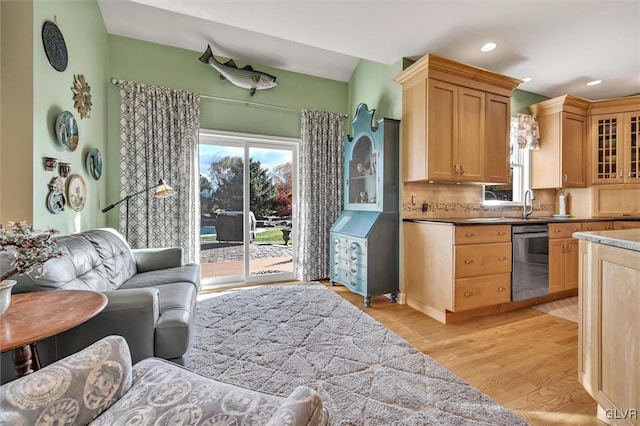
155	64
521	100
86	40
372	83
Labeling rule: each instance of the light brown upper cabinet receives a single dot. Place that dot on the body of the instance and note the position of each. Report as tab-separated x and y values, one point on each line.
615	140
455	122
562	161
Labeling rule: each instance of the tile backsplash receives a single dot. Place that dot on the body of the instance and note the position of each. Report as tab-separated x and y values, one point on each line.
461	201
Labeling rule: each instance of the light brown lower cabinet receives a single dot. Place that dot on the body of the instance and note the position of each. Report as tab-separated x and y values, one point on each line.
627	224
456	268
609	331
563	256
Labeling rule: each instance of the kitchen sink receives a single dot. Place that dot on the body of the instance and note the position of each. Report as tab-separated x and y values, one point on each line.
483	219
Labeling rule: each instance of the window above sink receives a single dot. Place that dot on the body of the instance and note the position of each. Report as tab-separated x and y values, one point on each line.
520	160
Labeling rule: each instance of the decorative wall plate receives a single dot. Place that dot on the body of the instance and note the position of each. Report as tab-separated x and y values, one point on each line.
81	96
76	192
67	130
54	46
94	163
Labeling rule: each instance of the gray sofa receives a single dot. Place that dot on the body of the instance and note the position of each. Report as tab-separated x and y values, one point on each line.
151	294
99	386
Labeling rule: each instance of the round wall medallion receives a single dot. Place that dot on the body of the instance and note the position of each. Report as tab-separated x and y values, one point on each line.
81	96
54	46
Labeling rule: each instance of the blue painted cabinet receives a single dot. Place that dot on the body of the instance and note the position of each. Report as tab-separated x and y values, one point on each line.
364	238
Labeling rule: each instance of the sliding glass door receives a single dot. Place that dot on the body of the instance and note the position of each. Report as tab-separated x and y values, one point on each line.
248	189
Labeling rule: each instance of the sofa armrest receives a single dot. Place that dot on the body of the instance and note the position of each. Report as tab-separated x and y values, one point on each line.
74	390
302	408
152	259
130	313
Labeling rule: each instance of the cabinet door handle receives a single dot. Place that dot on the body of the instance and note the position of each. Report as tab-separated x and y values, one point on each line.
501	233
461	169
335	263
608	227
589	229
501	258
354	258
569	249
557	230
575	229
353	247
468	261
354	270
501	289
468	294
564	248
455	169
620	174
353	283
469	234
565	177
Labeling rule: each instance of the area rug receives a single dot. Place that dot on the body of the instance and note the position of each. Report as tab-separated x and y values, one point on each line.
564	308
275	338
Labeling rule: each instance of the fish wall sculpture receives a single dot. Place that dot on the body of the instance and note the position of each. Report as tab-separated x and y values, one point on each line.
246	77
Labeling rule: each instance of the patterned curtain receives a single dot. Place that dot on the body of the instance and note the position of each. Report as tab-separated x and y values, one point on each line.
321	189
159	139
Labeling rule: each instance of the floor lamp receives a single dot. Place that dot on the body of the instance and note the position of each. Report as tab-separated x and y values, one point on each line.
162	190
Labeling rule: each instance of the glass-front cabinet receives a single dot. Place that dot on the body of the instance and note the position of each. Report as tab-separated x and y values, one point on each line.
362	174
365	237
616	148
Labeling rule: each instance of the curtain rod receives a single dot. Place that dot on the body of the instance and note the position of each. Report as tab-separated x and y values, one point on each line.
115	81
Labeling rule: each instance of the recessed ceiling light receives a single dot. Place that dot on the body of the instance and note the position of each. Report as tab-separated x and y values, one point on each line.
594	82
526	79
488	47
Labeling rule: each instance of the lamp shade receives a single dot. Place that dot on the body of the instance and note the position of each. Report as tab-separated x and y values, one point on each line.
163	190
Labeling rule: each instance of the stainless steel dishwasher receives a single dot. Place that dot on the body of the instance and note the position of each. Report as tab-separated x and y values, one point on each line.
530	269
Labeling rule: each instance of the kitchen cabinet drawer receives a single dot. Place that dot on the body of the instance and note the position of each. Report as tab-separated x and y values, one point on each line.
630	224
597	226
476	292
563	230
479	234
484	259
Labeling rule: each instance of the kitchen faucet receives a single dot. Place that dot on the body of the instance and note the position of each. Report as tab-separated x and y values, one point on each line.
532	196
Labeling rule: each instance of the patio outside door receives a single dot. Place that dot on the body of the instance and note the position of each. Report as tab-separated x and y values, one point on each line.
248	189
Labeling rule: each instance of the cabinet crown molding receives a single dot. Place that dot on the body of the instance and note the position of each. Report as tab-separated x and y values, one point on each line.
433	66
606	106
566	103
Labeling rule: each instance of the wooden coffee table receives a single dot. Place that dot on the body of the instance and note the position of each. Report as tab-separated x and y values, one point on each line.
32	317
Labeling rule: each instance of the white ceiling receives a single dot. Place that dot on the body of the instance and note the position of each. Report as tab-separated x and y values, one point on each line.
561	44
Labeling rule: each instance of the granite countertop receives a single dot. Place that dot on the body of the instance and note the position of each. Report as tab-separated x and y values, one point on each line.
513	220
623	238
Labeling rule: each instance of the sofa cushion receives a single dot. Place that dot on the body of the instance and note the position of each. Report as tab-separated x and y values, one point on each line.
74	390
98	260
189	273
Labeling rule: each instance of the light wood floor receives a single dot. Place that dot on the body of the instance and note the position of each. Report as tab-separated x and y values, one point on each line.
525	360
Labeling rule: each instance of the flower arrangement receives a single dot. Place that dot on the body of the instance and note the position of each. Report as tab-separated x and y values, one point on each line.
29	248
